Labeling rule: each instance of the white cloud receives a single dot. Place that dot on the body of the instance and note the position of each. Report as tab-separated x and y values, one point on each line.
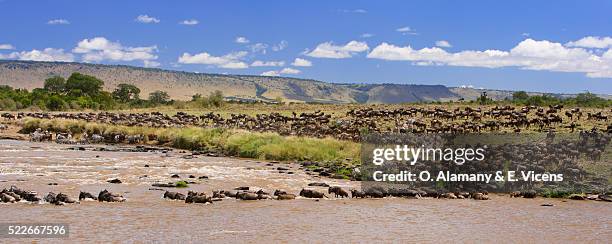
146	19
228	61
329	50
280	46
592	42
528	54
279	72
300	62
259	63
58	22
189	22
406	30
6	47
443	43
290	71
525	34
270	73
47	54
101	49
353	11
259	48
242	40
366	35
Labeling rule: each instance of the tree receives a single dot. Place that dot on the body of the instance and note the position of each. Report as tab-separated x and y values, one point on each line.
520	96
159	97
86	84
55	103
216	98
484	99
590	99
126	92
56	84
196	97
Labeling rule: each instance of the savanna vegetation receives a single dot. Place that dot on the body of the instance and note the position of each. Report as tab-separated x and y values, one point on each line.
233	142
81	91
585	99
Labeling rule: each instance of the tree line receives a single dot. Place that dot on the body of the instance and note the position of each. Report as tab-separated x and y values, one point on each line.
82	91
585	99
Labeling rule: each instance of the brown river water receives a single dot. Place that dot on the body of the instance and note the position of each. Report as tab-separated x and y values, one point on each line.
145	217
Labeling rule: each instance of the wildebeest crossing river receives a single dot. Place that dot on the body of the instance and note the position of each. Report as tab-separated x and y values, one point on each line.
145	216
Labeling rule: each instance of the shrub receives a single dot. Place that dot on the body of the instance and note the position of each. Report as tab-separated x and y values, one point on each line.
181	184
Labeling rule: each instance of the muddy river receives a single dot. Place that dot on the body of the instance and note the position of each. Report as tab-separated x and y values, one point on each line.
146	217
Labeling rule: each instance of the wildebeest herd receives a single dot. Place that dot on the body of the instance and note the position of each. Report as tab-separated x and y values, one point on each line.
14	194
354	122
565	154
352	125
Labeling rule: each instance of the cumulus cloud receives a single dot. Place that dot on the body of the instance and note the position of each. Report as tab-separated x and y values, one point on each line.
47	54
101	49
529	54
280	46
592	42
329	50
58	22
443	43
6	47
228	61
300	62
290	71
258	63
259	48
242	40
366	35
279	72
146	19
189	22
270	73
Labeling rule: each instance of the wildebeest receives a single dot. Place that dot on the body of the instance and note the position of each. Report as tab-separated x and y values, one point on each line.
61	197
86	196
247	196
338	191
197	197
106	196
308	193
174	195
29	196
6	198
357	194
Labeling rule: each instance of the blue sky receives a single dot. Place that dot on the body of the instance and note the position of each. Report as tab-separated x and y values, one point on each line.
561	46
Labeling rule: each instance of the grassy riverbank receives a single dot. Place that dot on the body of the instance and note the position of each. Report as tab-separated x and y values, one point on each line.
268	146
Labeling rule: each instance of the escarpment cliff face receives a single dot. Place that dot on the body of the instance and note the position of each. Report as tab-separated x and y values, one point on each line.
182	85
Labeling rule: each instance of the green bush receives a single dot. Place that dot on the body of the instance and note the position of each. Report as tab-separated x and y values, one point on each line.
181	184
8	104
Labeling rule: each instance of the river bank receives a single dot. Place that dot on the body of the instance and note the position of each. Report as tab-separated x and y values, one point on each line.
336	157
